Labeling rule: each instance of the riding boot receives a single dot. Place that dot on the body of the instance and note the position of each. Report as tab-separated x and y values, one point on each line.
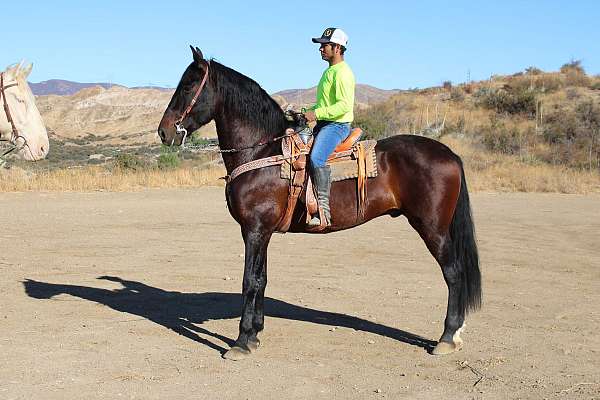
322	182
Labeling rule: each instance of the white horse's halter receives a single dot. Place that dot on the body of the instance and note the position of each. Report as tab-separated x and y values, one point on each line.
15	132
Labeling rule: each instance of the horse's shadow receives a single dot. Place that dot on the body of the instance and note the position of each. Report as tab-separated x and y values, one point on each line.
184	313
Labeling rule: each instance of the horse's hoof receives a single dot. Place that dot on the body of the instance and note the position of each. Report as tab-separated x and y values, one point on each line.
236	354
253	344
443	348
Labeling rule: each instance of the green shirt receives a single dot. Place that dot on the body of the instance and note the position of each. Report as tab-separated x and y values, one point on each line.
335	94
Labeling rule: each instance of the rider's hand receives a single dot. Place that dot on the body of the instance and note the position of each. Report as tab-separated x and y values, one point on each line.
310	116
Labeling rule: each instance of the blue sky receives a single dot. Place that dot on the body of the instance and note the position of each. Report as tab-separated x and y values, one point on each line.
399	44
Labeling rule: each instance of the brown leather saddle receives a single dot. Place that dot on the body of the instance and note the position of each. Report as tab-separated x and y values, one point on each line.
295	153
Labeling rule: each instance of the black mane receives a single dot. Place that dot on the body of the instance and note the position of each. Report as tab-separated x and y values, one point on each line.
243	97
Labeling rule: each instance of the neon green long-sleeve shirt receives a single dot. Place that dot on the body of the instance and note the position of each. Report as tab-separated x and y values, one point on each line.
335	94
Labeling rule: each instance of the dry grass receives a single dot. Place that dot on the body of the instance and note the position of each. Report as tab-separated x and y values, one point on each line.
99	178
485	171
503	173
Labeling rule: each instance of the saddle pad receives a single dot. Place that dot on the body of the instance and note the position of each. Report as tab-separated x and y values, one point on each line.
342	169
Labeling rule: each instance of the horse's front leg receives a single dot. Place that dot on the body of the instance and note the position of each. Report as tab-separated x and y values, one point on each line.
253	293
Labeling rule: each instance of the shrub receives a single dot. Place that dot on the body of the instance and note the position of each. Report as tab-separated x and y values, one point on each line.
549	82
127	161
572	66
457	94
168	158
574	134
376	121
497	137
533	71
575	78
507	101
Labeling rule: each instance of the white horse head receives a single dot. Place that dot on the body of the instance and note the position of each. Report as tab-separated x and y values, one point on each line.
31	137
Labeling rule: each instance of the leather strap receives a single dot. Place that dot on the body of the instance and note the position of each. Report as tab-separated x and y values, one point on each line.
193	102
15	132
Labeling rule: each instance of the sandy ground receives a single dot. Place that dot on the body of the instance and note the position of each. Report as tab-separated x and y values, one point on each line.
136	295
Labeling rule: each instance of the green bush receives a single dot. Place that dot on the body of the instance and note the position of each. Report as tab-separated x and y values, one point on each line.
504	101
574	134
196	140
497	137
533	71
168	158
127	161
572	66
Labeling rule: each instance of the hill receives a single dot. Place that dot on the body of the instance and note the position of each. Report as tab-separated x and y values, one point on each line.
538	117
365	96
116	114
119	115
61	87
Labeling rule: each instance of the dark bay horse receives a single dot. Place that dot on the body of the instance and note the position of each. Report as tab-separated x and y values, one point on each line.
419	178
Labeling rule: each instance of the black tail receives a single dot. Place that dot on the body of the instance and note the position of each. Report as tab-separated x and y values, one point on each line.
462	232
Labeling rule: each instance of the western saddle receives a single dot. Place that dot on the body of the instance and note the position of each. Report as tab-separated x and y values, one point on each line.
294	159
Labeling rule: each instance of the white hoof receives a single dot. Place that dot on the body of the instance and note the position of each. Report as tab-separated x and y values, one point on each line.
443	348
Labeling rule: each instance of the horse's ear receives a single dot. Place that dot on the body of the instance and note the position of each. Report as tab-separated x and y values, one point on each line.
11	72
18	68
197	54
26	71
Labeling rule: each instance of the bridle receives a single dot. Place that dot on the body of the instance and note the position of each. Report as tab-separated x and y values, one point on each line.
178	127
15	132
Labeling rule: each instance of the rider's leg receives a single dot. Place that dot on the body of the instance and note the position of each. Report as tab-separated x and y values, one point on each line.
328	137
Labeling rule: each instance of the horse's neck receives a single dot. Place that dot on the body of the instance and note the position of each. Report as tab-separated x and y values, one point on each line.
238	136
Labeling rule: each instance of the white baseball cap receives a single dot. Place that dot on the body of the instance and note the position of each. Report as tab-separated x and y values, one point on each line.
332	35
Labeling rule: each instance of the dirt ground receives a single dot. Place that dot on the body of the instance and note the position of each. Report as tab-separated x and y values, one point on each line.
136	296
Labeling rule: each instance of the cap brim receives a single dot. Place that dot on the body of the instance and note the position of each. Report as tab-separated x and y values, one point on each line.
320	40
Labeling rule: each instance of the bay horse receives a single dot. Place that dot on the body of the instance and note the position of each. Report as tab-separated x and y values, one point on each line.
21	124
418	177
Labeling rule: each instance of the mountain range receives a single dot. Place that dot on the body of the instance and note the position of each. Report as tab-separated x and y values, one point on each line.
366	95
119	115
62	87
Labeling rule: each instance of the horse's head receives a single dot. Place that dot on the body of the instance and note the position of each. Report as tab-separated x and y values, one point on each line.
192	104
25	128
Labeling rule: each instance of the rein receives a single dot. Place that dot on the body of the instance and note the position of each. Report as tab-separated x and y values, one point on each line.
262	143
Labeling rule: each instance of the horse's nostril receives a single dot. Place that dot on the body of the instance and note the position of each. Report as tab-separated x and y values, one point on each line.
161	133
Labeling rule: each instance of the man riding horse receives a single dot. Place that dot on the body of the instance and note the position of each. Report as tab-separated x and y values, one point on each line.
334	111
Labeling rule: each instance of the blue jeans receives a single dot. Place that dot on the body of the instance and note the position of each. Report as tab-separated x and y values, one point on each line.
328	136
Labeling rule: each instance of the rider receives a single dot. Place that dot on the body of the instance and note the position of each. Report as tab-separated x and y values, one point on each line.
333	112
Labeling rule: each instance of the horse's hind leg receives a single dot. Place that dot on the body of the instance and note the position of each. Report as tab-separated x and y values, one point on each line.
438	241
253	292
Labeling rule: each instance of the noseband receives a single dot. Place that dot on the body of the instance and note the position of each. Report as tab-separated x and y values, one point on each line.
178	127
15	133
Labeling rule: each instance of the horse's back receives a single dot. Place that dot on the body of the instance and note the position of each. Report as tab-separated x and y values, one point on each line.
419	171
416	149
